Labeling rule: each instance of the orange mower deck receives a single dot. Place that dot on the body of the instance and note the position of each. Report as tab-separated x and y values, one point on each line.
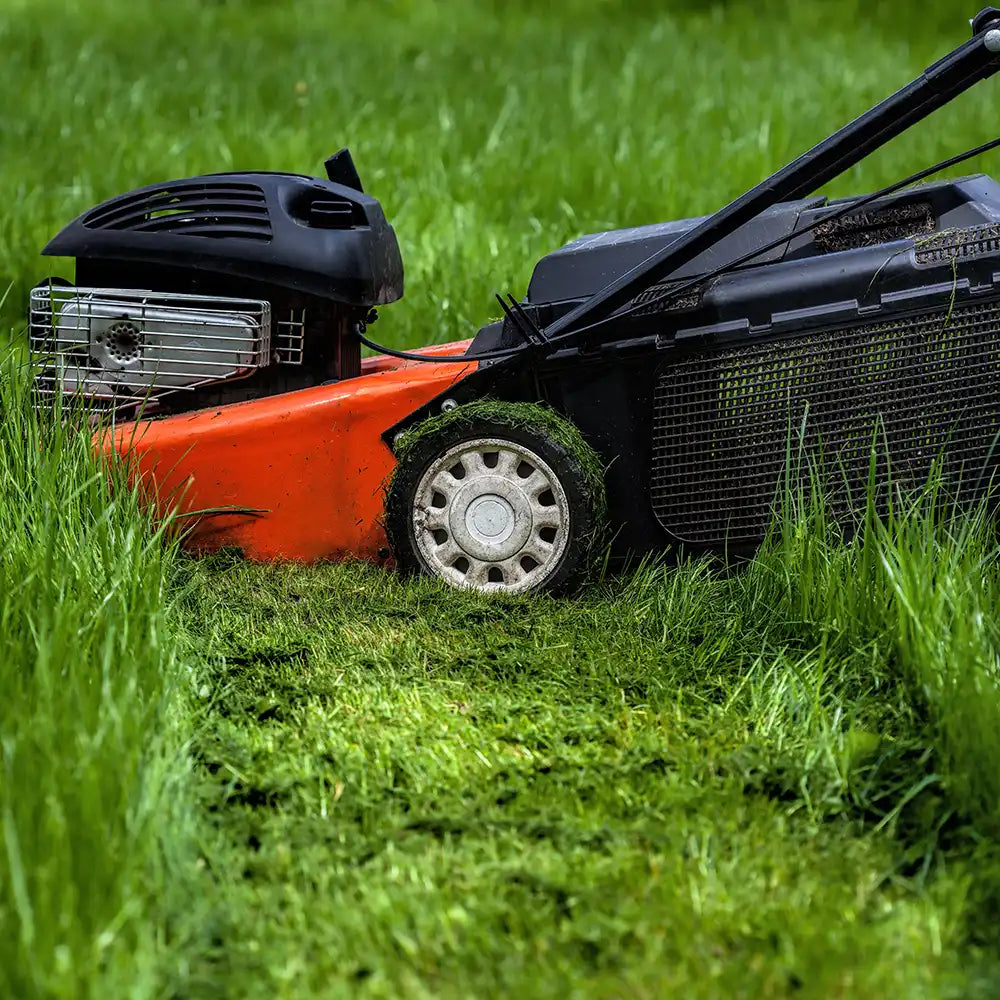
298	476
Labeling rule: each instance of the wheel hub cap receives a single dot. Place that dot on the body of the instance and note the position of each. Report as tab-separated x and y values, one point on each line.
491	514
490	518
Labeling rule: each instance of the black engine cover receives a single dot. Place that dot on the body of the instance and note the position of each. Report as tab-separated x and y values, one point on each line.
296	232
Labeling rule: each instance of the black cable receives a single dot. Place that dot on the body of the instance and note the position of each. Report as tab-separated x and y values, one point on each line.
438	358
678	290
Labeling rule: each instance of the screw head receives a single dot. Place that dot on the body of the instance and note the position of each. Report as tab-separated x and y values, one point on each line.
450	404
992	40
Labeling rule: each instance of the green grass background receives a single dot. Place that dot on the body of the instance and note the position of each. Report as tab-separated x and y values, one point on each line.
219	779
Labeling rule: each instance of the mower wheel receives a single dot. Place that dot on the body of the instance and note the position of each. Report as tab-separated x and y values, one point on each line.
497	497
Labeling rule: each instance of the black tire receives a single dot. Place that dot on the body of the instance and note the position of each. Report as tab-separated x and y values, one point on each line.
557	491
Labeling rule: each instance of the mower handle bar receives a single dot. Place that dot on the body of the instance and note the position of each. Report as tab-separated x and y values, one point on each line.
974	60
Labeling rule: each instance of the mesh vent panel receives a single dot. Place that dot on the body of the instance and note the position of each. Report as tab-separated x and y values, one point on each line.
958	244
723	419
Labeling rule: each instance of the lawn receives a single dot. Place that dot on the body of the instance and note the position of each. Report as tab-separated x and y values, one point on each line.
226	780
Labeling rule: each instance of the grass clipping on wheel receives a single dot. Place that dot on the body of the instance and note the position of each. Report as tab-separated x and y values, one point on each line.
527	416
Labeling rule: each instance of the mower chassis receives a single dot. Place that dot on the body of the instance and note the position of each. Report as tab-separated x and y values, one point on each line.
298	476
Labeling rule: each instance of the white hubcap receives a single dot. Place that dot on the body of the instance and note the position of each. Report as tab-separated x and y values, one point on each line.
490	518
492	515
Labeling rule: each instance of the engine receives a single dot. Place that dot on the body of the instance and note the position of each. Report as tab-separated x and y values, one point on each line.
215	289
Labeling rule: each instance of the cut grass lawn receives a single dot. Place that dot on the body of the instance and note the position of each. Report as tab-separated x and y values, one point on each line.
660	786
229	780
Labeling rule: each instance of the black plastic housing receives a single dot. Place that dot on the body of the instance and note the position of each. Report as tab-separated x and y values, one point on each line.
886	322
300	233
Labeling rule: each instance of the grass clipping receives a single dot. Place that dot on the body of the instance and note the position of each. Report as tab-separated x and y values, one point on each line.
535	418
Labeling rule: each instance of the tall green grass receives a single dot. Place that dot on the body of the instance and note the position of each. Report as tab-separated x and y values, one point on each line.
490	133
96	851
912	584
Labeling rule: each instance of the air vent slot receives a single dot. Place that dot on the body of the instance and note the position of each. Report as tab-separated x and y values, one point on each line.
203	208
958	244
869	229
290	338
330	213
653	300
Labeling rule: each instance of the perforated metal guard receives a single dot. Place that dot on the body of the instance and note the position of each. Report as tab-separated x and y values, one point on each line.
130	346
723	419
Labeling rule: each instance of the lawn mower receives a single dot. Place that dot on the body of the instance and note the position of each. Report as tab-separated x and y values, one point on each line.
641	397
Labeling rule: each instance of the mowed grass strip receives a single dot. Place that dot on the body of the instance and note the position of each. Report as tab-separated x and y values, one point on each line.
777	783
721	785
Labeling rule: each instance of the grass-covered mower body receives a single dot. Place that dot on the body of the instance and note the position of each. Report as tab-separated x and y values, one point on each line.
648	389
